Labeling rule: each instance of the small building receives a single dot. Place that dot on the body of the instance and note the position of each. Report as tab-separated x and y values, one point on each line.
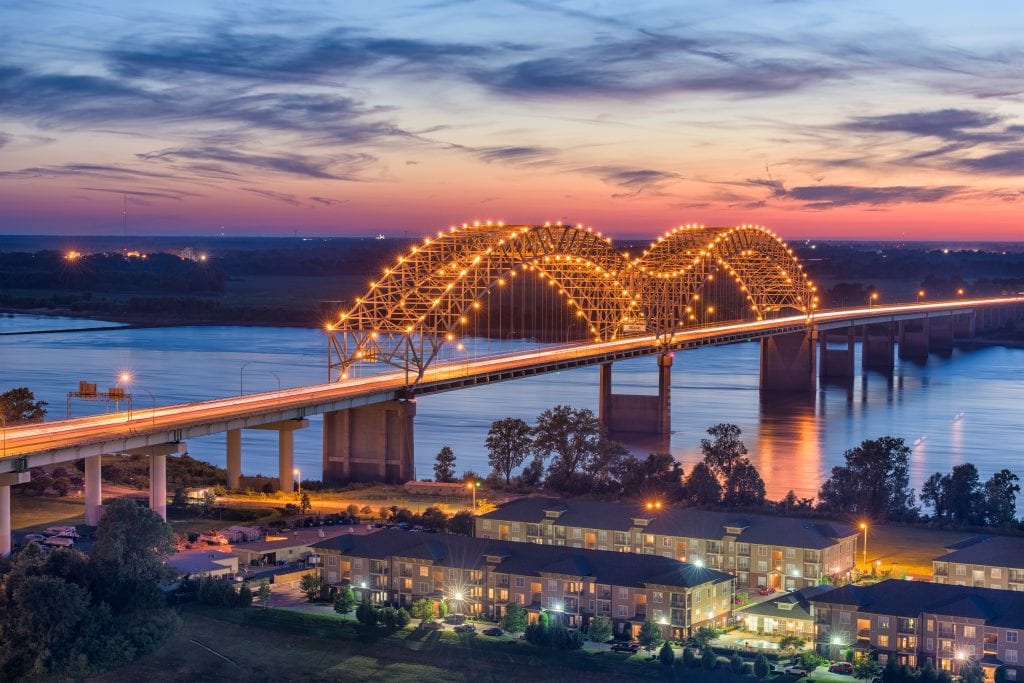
204	562
983	562
435	488
242	534
285	546
786	614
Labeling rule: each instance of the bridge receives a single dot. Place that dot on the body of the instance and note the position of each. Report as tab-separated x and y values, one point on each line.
628	306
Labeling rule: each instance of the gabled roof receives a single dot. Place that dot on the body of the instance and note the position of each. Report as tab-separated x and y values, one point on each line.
525	559
994	551
914	598
677	521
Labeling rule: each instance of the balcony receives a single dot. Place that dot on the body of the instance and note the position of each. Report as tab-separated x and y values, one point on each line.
940	570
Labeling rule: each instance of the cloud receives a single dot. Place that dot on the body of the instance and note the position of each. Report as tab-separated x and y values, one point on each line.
1009	162
834	196
4	139
146	194
96	170
516	155
328	202
634	180
335	167
276	196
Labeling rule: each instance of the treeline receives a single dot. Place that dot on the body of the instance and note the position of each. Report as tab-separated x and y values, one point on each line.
159	272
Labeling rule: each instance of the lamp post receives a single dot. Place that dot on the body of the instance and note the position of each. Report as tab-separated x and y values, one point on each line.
123	379
872	299
920	295
864	528
240	371
473	486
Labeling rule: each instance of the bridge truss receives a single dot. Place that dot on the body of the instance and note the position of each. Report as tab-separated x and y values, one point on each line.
428	297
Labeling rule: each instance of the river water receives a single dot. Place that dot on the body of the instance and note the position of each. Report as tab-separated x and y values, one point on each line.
964	408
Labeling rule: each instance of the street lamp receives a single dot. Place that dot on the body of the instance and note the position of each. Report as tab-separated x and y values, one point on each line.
920	295
298	478
960	291
872	299
864	528
240	371
473	486
462	347
123	379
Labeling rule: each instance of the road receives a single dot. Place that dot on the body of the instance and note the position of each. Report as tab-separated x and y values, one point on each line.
64	439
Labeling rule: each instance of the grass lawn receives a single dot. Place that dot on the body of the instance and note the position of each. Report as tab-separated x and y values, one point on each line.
263	645
911	548
39	512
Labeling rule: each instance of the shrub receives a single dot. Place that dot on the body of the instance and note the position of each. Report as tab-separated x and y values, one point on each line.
600	629
761	668
736	663
690	658
666	655
709	660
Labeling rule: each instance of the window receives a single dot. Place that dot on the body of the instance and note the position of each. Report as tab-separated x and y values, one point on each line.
883	641
357	563
485	523
520	582
969	632
623	593
694	545
762	565
552	585
577	533
424	570
762	551
667	541
424	587
961	570
649	539
790	553
997	573
592	606
332	560
520	598
602	535
1011	656
844	618
623	611
1011	636
930	624
929	644
657	596
883	622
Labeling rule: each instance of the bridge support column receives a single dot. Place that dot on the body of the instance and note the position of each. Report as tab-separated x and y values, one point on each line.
788	362
370	443
836	362
234	466
285	449
914	339
964	326
158	484
93	490
6	482
940	334
639	413
877	347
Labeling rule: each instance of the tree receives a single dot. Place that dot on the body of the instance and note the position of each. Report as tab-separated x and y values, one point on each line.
402	617
180	499
366	614
599	630
971	671
704	635
658	476
461	523
344	600
650	635
310	585
352	510
423	610
264	593
933	494
690	659
761	668
508	443
865	668
444	467
130	552
722	453
708	659
875	482
434	518
964	496
573	440
736	663
744	486
702	487
305	503
442	609
514	619
666	655
19	406
1001	498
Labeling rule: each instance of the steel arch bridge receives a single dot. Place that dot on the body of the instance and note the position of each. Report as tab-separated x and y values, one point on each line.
426	298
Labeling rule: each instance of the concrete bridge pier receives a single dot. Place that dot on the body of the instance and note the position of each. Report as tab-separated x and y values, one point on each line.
640	413
913	339
234	459
285	450
964	326
835	353
877	347
788	363
93	490
370	443
6	482
158	484
940	335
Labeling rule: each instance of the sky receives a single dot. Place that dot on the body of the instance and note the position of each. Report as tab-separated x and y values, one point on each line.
819	119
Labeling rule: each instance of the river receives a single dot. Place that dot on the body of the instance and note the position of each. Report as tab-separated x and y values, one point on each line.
963	408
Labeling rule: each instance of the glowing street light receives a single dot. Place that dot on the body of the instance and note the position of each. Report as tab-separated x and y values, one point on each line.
872	299
920	295
473	486
864	528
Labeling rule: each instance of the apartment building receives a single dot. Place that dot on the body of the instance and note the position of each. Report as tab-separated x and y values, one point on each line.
916	622
479	576
786	553
983	562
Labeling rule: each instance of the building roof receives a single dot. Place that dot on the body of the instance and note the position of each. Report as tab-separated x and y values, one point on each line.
525	559
913	598
794	605
201	561
676	521
996	551
291	539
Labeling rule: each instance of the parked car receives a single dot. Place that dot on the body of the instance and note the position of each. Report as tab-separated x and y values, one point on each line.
796	670
493	631
456	619
841	668
38	538
765	590
465	628
631	648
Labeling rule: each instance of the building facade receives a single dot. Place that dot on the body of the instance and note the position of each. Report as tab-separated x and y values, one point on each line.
480	577
785	553
983	562
917	622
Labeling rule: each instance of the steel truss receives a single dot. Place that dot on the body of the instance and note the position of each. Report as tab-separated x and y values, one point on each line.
428	296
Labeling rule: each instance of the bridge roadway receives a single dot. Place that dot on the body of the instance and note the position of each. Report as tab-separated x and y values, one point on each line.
65	440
